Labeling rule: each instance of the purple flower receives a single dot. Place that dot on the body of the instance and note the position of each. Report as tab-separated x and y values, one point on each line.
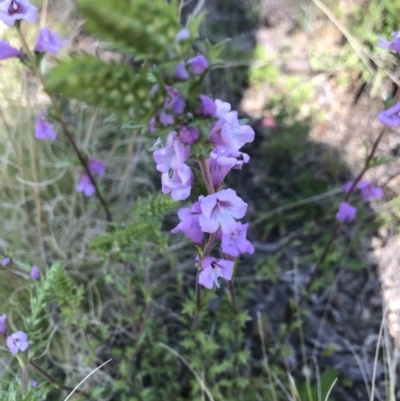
235	243
222	108
393	45
34	383
49	41
178	105
14	10
35	273
346	187
96	166
390	117
172	155
198	64
166	118
189	135
153	126
189	225
183	34
17	342
7	51
221	161
220	210
5	262
3	328
346	212
213	269
180	184
44	130
85	185
227	131
207	106
368	191
181	73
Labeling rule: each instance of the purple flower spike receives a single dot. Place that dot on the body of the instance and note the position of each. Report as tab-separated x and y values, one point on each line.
3	328
390	117
207	106
189	225
213	269
181	73
7	51
15	10
368	191
198	64
44	130
35	273
189	135
96	166
346	212
220	210
49	42
17	342
180	184
183	34
5	262
85	185
235	243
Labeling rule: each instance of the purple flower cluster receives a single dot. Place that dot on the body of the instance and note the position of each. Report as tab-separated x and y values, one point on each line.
368	192
17	341
217	213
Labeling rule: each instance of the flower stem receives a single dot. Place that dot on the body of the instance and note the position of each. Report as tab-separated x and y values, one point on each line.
64	128
205	172
317	269
53	380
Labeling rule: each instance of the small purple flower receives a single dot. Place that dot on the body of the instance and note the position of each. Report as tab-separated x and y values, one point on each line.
5	262
206	106
178	105
368	191
235	243
189	135
222	108
15	10
198	64
346	187
35	273
7	51
166	118
228	132
96	166
153	126
85	185
391	116
3	328
189	225
34	383
49	42
17	342
172	155
181	73
393	45
213	269
180	184
346	212
220	210
183	34
44	130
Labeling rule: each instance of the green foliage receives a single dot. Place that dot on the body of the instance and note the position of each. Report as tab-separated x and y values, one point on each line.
124	22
